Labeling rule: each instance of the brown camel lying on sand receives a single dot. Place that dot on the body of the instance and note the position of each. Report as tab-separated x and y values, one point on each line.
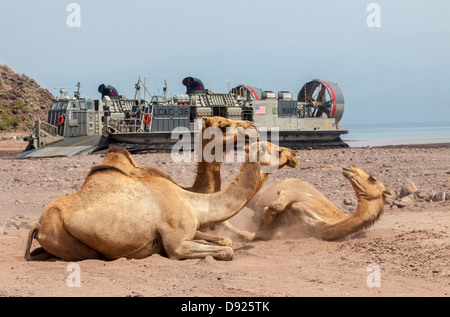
293	208
117	214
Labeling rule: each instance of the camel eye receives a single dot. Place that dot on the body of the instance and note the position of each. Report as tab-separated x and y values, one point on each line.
372	179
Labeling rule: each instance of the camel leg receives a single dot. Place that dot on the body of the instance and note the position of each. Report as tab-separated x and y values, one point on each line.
277	206
215	239
242	234
250	236
195	250
178	245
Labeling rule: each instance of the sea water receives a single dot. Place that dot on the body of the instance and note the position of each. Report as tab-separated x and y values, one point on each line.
377	134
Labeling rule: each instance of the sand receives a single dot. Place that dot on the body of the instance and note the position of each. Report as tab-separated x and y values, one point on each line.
405	253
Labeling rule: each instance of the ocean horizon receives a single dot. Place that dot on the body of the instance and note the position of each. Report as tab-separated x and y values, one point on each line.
380	134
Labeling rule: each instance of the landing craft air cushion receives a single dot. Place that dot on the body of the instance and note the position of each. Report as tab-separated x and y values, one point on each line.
77	126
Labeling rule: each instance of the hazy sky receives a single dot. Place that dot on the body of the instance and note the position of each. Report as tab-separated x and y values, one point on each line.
397	72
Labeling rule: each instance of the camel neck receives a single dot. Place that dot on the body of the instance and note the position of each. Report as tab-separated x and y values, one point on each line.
226	203
207	179
364	216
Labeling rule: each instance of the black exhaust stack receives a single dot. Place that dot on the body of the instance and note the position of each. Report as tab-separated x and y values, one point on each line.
194	86
107	90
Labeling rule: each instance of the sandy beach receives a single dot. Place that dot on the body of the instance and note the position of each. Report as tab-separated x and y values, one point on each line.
409	245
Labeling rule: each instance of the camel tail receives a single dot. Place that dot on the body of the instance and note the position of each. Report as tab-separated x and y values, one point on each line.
33	230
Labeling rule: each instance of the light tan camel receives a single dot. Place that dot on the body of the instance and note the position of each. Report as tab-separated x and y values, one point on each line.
114	214
207	178
121	159
292	207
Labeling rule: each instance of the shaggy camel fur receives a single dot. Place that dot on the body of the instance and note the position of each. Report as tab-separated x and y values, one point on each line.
115	214
292	207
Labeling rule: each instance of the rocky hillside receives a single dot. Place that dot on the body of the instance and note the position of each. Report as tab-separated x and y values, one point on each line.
22	101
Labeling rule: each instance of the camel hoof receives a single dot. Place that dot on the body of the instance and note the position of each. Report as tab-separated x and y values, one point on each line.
277	206
269	216
227	254
247	236
225	242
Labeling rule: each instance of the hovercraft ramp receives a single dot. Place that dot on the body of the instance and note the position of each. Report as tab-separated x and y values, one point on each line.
75	146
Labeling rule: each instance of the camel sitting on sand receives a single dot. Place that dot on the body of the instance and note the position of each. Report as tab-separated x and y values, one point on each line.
208	177
114	214
294	208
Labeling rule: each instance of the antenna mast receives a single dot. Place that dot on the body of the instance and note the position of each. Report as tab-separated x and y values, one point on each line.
77	93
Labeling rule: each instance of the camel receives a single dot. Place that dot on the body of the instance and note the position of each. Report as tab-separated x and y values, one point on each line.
121	159
294	208
208	177
115	214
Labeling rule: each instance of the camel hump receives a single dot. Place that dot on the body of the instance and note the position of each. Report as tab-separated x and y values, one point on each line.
151	171
120	152
102	168
117	149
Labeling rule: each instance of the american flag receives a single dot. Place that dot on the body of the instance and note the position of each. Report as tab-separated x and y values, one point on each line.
260	109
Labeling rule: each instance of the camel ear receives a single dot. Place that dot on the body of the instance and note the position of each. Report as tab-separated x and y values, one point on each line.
292	157
292	160
387	193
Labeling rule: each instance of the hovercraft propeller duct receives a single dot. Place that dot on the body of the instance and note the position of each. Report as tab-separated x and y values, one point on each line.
325	97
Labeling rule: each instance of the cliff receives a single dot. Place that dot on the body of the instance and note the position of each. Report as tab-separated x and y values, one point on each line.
22	101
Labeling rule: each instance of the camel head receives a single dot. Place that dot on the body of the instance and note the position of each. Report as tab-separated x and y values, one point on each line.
270	155
233	131
286	157
365	186
223	123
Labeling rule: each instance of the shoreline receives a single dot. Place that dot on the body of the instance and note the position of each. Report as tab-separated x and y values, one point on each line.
396	142
12	144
